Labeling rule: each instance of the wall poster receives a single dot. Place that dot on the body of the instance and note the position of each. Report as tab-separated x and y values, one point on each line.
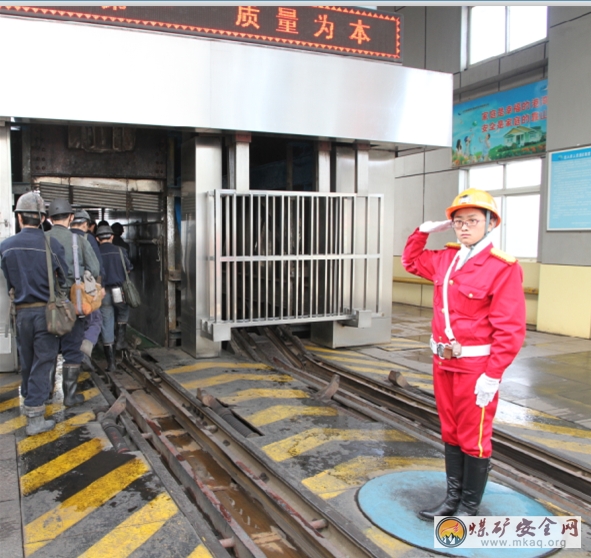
504	125
569	190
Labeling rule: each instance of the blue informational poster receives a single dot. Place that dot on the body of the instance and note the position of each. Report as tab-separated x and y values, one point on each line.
507	124
569	190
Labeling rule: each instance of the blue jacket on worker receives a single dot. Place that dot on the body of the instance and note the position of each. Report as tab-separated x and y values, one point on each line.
114	309
24	265
114	272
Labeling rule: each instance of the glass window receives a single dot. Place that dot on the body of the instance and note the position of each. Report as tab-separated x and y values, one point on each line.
522	222
486	178
487	32
495	30
516	189
524	173
526	24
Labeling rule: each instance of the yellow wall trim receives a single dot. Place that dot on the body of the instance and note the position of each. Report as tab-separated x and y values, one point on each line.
564	303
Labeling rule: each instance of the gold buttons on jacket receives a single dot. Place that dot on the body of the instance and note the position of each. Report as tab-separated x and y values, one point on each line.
470	295
451	281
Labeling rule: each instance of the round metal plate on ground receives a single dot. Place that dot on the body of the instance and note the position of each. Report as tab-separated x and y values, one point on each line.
392	502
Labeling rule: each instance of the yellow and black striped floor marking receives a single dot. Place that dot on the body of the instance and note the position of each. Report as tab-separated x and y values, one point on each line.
298	444
81	498
354	473
403	344
356	361
365	364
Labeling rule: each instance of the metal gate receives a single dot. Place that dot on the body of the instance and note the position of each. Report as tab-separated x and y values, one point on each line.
286	257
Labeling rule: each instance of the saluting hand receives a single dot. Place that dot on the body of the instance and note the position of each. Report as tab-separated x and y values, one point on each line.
435	226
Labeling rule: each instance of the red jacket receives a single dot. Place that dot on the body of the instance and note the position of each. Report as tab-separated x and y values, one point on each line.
486	303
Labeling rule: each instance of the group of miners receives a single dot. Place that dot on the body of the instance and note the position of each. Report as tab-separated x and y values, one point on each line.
25	265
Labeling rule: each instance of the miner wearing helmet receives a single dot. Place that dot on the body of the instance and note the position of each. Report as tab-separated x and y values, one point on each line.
61	214
93	322
477	330
24	263
118	236
114	309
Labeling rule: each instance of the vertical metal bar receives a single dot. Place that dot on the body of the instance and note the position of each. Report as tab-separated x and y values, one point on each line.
267	234
226	210
336	254
260	264
213	254
325	297
304	254
317	256
243	266
313	229
273	250
380	201
335	286
341	254
298	228
250	301
282	252
234	266
354	250
366	280
289	254
331	260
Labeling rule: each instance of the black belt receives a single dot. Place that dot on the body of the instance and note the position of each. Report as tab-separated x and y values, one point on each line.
30	305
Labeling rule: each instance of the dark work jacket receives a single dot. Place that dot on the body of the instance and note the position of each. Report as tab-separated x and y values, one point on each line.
114	272
95	247
86	258
118	241
24	263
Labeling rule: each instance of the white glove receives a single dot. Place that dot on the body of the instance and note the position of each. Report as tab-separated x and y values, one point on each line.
485	390
435	226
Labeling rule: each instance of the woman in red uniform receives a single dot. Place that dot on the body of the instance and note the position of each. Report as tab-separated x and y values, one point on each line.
478	328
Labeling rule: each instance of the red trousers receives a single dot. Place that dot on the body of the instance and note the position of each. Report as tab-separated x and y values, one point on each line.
463	423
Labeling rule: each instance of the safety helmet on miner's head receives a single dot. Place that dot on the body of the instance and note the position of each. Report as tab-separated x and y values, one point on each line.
474	198
81	216
31	202
59	206
117	228
104	231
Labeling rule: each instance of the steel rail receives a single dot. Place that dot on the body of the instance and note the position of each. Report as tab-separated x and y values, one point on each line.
316	528
515	456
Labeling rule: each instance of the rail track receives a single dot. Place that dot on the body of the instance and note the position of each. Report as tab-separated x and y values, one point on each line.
256	510
531	465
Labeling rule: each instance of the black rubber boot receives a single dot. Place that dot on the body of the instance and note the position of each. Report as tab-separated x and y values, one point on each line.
475	476
87	363
36	422
52	373
121	342
70	373
110	356
454	470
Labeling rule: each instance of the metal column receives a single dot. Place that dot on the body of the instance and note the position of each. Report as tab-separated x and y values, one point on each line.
201	172
360	170
239	162
8	361
323	166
